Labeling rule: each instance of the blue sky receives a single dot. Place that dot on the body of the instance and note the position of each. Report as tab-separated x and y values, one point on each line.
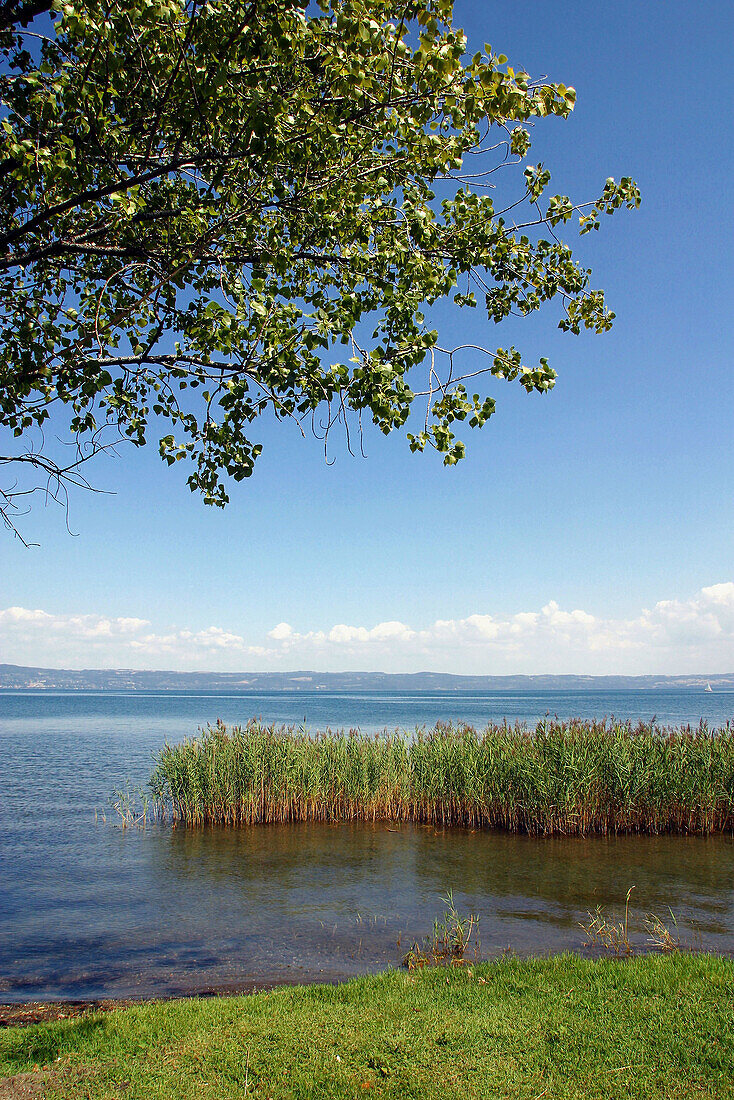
609	500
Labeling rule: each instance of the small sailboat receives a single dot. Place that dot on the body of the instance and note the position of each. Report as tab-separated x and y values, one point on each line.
708	687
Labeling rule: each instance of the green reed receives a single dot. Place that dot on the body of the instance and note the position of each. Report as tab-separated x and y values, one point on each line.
572	777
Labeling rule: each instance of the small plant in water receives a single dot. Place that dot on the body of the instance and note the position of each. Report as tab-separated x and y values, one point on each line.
614	937
611	936
131	805
451	938
659	935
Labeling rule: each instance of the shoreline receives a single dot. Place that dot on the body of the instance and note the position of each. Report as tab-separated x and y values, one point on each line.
25	1013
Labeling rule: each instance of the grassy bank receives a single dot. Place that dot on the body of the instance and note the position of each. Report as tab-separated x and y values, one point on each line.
561	1028
563	777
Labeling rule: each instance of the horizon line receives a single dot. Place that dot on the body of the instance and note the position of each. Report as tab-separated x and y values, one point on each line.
363	672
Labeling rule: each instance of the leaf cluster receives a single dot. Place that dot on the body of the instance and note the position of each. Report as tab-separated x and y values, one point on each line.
213	210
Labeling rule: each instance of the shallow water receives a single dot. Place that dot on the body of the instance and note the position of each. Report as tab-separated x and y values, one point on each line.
88	909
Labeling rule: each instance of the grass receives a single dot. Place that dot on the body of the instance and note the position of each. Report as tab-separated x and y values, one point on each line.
562	777
561	1028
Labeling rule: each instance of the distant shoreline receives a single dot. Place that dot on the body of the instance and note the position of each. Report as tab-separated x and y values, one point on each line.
30	678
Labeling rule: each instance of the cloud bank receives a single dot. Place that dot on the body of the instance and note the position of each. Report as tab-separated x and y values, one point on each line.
674	636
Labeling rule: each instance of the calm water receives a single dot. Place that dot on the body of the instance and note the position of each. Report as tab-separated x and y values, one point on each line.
89	910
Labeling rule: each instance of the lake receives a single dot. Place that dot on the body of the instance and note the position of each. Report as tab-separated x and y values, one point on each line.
90	910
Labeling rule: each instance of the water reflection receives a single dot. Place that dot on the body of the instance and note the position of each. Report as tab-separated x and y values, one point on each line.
169	910
92	911
414	859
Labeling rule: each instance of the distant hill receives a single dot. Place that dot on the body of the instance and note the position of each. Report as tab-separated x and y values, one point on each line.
18	677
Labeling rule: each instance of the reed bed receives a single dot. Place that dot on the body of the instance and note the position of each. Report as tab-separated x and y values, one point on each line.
567	778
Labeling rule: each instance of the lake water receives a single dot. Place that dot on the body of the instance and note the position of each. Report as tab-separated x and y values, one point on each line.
90	910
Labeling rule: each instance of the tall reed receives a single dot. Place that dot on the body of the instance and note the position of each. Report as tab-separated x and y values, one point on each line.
572	777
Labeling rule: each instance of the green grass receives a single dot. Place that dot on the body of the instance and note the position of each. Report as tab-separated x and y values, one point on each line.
562	777
559	1028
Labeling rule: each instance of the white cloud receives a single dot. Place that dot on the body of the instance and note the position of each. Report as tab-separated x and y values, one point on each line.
673	636
211	639
281	633
23	615
346	635
35	637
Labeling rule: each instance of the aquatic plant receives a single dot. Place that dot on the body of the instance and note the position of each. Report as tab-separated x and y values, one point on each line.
449	941
615	937
660	935
572	778
131	805
612	936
